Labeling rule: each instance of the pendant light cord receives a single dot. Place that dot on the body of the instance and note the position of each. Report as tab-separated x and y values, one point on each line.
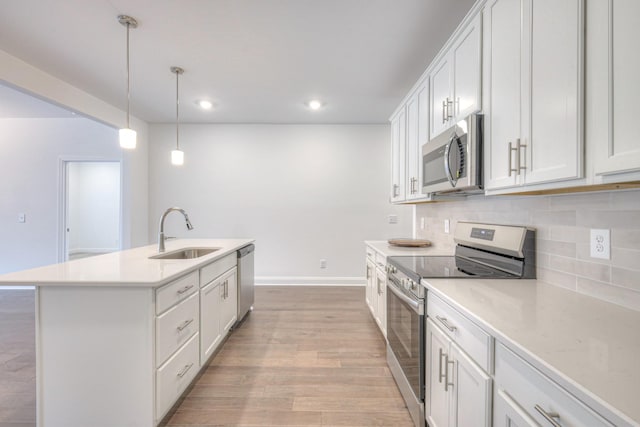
177	113
128	78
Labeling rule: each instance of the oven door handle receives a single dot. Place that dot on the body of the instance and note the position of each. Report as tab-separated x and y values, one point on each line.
416	306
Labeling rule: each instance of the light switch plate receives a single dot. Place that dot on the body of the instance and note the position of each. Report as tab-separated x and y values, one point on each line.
447	226
393	219
22	217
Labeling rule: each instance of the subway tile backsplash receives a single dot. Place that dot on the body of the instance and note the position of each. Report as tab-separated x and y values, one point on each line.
562	224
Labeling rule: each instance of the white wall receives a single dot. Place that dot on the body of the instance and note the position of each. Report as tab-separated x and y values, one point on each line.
30	151
93	206
304	192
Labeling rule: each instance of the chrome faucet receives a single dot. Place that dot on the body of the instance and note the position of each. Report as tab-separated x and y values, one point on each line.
161	237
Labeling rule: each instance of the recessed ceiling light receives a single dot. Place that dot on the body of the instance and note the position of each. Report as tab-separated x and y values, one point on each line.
204	104
314	104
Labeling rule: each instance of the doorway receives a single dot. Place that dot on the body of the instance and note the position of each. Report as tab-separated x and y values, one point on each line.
92	208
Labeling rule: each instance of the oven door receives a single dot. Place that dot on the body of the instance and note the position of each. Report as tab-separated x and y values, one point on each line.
405	332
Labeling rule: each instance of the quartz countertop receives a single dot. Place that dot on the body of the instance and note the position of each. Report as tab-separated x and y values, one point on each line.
589	346
383	247
131	267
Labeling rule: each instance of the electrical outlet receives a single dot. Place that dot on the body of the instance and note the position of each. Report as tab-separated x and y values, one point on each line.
393	219
447	228
600	246
22	217
422	221
323	263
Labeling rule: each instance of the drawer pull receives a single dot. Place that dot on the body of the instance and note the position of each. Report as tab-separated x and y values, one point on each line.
441	376
185	324
185	289
447	384
549	416
184	370
446	324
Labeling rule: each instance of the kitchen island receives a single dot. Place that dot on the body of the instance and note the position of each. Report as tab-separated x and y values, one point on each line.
120	336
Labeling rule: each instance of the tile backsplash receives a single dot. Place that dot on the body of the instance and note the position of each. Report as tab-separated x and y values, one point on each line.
562	224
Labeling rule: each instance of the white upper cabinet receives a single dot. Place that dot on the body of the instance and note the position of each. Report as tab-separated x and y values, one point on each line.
533	96
455	81
613	85
417	109
398	157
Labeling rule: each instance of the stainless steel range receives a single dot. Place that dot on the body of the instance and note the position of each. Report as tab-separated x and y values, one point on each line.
483	251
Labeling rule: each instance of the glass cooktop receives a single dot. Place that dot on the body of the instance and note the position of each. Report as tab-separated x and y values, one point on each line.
435	267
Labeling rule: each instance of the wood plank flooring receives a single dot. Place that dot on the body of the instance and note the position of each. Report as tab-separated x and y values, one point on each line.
306	356
17	359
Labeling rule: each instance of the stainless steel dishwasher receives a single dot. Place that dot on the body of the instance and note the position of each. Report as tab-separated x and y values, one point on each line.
245	281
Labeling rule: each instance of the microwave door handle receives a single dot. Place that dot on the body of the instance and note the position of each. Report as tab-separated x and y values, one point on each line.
447	164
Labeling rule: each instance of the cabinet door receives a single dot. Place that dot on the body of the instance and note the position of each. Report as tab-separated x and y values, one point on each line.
507	413
436	397
381	300
502	99
553	91
210	335
616	85
398	157
413	149
466	56
370	279
229	298
441	102
471	391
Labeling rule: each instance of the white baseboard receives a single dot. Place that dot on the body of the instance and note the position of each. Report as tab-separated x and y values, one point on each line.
310	281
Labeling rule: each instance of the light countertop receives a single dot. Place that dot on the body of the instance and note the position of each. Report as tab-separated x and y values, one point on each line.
383	247
589	346
130	267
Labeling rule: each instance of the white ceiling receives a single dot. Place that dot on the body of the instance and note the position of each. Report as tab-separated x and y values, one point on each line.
259	61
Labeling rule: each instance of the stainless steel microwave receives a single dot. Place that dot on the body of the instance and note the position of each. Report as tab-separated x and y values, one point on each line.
452	161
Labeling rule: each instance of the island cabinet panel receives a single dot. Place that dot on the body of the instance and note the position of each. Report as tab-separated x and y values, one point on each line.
175	327
95	356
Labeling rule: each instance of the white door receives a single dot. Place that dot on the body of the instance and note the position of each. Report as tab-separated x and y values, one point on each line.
466	55
229	298
371	272
209	320
471	392
437	404
92	203
618	148
413	149
398	157
381	309
554	137
502	100
441	102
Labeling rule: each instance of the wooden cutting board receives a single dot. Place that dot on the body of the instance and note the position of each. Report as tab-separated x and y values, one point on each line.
409	243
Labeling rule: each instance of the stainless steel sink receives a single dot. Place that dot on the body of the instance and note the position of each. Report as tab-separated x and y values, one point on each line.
185	253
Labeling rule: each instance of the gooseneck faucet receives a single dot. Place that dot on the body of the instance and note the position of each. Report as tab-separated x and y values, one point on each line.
161	232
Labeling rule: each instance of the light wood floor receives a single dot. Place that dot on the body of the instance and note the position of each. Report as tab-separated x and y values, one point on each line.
306	356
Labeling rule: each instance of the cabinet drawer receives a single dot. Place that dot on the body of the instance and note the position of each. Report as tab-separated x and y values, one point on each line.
176	291
173	377
534	392
371	254
469	336
174	327
381	261
213	270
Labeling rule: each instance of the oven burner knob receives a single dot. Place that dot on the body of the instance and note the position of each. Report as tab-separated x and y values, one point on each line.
414	285
407	284
393	269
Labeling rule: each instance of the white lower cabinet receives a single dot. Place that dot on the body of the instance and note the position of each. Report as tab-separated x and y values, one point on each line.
525	394
210	331
381	300
370	276
228	300
376	288
458	390
175	375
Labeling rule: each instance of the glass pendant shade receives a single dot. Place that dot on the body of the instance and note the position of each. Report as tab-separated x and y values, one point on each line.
177	157
127	138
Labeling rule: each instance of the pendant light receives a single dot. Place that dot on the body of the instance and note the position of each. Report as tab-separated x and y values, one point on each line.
177	155
128	135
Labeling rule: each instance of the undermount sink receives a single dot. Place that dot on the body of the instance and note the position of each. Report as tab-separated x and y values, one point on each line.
185	253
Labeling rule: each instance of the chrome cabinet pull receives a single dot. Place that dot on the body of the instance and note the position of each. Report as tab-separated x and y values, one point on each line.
447	384
549	416
446	324
444	116
519	147
184	370
185	289
368	273
449	102
185	324
441	376
511	169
